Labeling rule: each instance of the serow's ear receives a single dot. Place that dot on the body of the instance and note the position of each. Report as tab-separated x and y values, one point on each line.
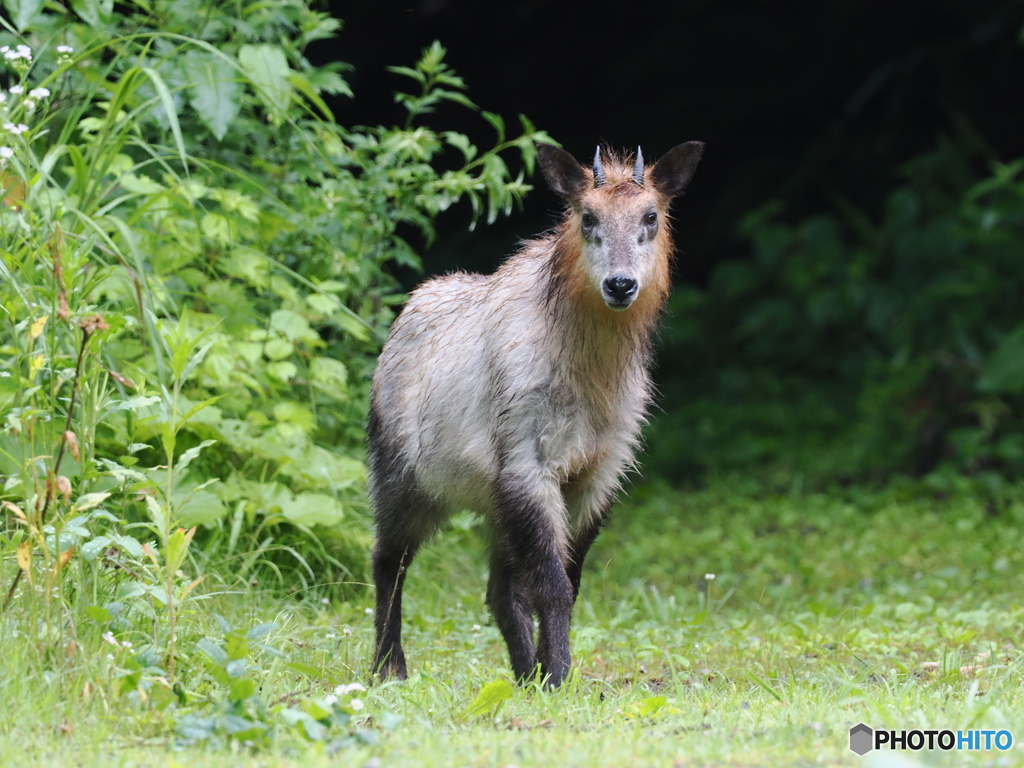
674	171
561	171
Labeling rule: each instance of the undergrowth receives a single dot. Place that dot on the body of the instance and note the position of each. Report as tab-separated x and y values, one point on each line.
714	628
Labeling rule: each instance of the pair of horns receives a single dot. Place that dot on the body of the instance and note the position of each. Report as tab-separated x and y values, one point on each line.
638	169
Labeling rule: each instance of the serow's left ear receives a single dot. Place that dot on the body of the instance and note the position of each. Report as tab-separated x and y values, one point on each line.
673	172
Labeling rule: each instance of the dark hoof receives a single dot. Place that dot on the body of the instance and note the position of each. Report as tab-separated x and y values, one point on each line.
390	668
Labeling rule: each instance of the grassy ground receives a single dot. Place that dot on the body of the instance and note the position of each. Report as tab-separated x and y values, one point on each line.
899	608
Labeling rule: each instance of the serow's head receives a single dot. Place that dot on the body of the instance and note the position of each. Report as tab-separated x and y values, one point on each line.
620	210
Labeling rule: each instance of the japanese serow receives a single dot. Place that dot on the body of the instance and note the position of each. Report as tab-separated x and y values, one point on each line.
521	395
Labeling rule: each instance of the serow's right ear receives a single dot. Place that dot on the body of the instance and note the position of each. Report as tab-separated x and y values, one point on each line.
561	171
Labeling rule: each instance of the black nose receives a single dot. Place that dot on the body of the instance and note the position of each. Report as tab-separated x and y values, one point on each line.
620	288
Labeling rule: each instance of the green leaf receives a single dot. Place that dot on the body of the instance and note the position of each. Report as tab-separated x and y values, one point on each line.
490	698
201	508
187	457
309	671
311	509
283	370
242	689
290	412
194	362
133	404
141	185
216	226
128	544
214	91
91	549
764	685
304	87
330	373
90	500
156	511
267	68
167	100
262	630
497	122
318	709
23	12
217	654
197	408
409	72
651	705
1005	369
461	142
98	613
96	13
353	325
131	681
278	349
293	326
177	548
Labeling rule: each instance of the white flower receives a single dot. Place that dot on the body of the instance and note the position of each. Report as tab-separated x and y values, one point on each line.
39	93
356	704
6	153
344	690
331	700
3	98
65	49
347	632
17	130
709	577
368	611
20	52
17	89
30	105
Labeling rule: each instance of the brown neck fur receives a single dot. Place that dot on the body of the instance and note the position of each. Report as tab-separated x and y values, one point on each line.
600	345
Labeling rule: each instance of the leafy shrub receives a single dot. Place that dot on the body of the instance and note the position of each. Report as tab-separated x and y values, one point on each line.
195	282
848	347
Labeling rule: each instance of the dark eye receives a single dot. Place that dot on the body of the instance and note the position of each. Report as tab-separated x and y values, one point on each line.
651	218
589	221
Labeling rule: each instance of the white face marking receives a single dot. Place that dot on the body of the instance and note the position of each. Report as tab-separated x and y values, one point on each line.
619	252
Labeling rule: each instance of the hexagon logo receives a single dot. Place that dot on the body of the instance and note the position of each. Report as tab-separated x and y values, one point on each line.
862	739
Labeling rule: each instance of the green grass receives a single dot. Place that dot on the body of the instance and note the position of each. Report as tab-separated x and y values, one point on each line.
899	608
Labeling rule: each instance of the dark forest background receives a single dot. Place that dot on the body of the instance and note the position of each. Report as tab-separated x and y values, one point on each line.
849	296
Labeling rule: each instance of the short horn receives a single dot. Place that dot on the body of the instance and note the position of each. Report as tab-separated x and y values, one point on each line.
638	168
599	177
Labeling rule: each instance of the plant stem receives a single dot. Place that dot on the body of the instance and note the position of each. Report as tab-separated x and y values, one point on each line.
52	476
67	426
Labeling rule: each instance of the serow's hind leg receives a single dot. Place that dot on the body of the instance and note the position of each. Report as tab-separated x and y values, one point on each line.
391	559
404	521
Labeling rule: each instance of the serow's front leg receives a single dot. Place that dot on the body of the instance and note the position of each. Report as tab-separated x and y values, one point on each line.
510	605
531	534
